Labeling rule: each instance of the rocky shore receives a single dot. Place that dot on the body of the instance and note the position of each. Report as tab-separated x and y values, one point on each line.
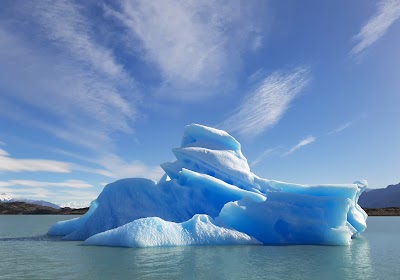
23	208
389	211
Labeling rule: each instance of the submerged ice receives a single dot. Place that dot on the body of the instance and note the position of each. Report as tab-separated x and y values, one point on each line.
210	196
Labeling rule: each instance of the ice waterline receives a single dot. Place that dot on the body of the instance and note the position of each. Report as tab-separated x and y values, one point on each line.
210	196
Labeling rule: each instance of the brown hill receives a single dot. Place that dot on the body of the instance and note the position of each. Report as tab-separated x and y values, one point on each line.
23	208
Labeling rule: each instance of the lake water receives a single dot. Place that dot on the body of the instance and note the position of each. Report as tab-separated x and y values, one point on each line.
27	253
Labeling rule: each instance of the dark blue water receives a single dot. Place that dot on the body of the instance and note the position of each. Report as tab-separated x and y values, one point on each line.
26	253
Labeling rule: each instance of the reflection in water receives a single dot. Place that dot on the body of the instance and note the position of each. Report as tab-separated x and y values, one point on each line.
360	257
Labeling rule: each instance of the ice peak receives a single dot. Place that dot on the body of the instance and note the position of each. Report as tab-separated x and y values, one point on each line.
197	135
212	152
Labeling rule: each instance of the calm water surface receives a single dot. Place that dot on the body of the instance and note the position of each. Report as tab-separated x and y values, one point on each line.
27	253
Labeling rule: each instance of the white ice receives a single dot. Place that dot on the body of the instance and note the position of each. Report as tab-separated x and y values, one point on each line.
153	231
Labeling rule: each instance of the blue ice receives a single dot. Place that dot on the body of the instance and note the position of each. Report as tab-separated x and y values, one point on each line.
210	196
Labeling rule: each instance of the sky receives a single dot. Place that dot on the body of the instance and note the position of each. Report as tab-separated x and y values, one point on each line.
96	91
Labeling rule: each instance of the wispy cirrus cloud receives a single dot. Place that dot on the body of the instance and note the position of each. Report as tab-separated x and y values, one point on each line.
306	141
342	127
388	11
348	124
192	44
69	29
263	108
65	72
78	184
87	89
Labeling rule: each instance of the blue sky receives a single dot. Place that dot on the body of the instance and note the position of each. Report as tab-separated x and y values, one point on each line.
97	91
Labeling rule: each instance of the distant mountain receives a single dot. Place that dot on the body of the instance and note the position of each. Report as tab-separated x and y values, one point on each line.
7	198
76	205
38	202
381	198
18	208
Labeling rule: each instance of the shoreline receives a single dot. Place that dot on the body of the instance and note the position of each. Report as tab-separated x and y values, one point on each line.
23	208
388	211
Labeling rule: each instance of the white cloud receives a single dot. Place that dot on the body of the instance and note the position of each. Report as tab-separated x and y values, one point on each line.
348	124
306	141
3	153
193	44
69	73
39	184
30	193
115	167
108	164
68	197
387	13
66	26
264	107
9	164
66	74
94	138
341	127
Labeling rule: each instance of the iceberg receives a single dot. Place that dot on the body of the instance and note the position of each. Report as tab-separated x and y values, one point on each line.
210	196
